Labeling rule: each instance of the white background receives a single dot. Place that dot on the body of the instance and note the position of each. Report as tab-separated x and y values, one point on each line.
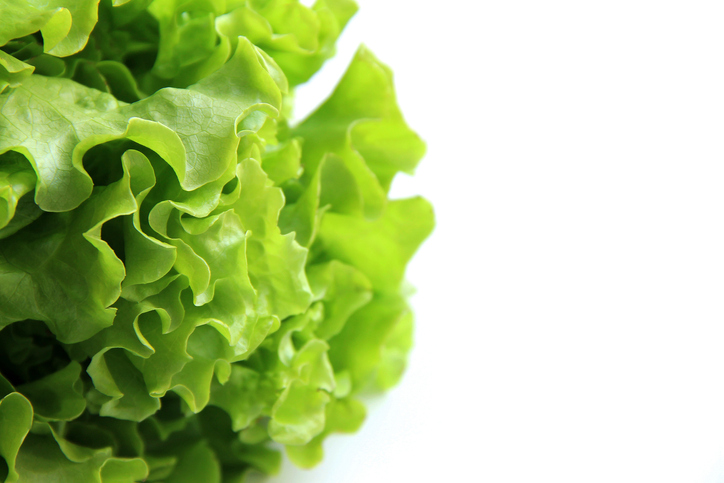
570	305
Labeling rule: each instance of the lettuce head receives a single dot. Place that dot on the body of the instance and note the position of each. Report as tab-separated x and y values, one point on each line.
189	282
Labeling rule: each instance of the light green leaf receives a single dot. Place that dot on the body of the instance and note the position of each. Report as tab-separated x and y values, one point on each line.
154	334
210	353
147	259
218	246
194	130
362	124
59	270
12	71
343	289
65	24
187	34
298	415
45	119
302	217
276	261
342	416
229	282
281	162
393	353
381	248
116	470
16	417
17	178
114	375
45	456
245	396
373	342
299	38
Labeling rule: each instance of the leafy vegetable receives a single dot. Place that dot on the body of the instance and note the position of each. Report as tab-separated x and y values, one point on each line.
188	281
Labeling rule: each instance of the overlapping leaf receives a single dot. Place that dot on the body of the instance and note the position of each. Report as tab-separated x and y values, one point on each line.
185	279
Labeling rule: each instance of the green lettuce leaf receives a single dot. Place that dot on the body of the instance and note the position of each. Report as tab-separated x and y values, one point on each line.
17	178
62	272
276	261
16	417
342	416
343	289
362	124
187	281
198	463
58	396
47	456
12	71
65	24
373	343
299	38
198	143
380	249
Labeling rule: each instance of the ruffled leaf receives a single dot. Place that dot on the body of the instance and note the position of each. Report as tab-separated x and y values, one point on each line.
343	289
65	24
58	396
16	417
62	272
276	261
12	71
381	248
373	343
342	416
17	178
185	279
198	463
47	456
362	124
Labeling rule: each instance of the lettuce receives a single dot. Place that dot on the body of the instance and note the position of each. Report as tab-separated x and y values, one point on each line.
189	282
